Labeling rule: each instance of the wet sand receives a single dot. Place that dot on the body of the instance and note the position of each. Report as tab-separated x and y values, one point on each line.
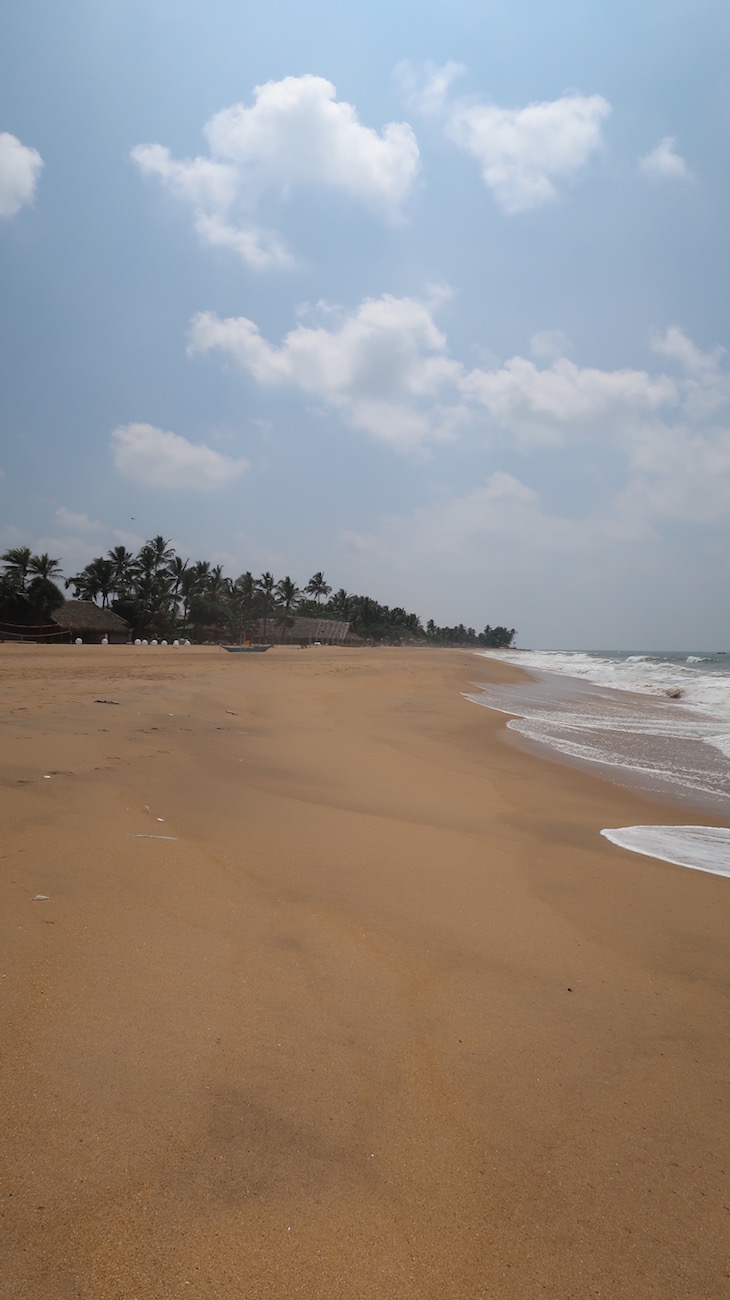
383	1017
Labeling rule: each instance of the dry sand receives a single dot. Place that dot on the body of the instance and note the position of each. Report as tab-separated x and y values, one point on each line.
385	1018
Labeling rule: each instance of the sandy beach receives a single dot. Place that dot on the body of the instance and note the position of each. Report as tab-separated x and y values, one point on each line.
315	985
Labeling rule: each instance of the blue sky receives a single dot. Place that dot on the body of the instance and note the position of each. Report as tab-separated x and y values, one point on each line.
431	297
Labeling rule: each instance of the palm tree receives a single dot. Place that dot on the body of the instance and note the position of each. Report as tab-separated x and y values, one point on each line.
106	578
176	569
216	585
160	550
152	603
188	587
287	593
43	595
317	587
97	579
85	584
340	604
42	566
242	604
17	561
201	569
266	598
123	562
145	564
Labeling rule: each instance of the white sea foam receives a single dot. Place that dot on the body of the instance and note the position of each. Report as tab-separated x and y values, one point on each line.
654	720
702	848
657	721
704	689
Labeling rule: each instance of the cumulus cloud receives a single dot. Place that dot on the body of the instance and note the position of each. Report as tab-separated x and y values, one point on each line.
20	167
386	370
427	89
678	472
675	344
663	162
158	459
296	134
704	376
384	367
523	153
503	511
76	522
554	404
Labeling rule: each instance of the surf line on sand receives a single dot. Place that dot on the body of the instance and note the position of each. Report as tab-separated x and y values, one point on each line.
701	848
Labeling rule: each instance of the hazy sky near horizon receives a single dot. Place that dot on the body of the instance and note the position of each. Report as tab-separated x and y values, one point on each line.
433	297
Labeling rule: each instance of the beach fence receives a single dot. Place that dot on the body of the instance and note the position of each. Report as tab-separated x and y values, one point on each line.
73	620
43	633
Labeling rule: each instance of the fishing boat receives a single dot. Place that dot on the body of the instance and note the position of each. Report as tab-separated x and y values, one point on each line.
245	649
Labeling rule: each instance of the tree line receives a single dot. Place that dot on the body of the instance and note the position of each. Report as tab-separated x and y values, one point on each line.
160	594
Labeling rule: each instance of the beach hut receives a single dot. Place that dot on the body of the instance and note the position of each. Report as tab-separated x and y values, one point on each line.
84	619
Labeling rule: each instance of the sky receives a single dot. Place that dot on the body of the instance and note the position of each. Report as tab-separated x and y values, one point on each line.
430	296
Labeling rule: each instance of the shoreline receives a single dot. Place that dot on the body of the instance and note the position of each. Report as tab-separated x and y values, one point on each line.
384	1016
692	802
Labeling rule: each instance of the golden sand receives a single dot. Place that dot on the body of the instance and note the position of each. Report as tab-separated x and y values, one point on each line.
383	1017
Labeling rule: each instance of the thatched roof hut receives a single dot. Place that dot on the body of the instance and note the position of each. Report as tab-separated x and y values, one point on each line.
82	618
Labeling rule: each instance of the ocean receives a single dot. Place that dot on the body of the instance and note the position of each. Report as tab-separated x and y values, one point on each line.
657	721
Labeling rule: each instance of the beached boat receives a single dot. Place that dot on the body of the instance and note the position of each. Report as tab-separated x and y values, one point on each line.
245	649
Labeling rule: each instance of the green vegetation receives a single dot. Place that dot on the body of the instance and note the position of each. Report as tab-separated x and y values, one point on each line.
162	595
27	584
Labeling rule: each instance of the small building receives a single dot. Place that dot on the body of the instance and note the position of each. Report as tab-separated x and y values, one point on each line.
84	619
314	631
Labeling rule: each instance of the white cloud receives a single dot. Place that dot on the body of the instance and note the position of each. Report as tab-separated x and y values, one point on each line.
495	552
297	134
705	381
682	470
548	345
260	248
503	511
383	367
427	89
132	541
553	405
679	473
159	459
76	523
20	167
72	551
675	344
664	162
523	152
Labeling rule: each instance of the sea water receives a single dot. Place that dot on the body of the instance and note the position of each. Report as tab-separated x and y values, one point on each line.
657	721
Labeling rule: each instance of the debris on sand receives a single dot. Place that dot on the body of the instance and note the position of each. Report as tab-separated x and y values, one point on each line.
151	837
